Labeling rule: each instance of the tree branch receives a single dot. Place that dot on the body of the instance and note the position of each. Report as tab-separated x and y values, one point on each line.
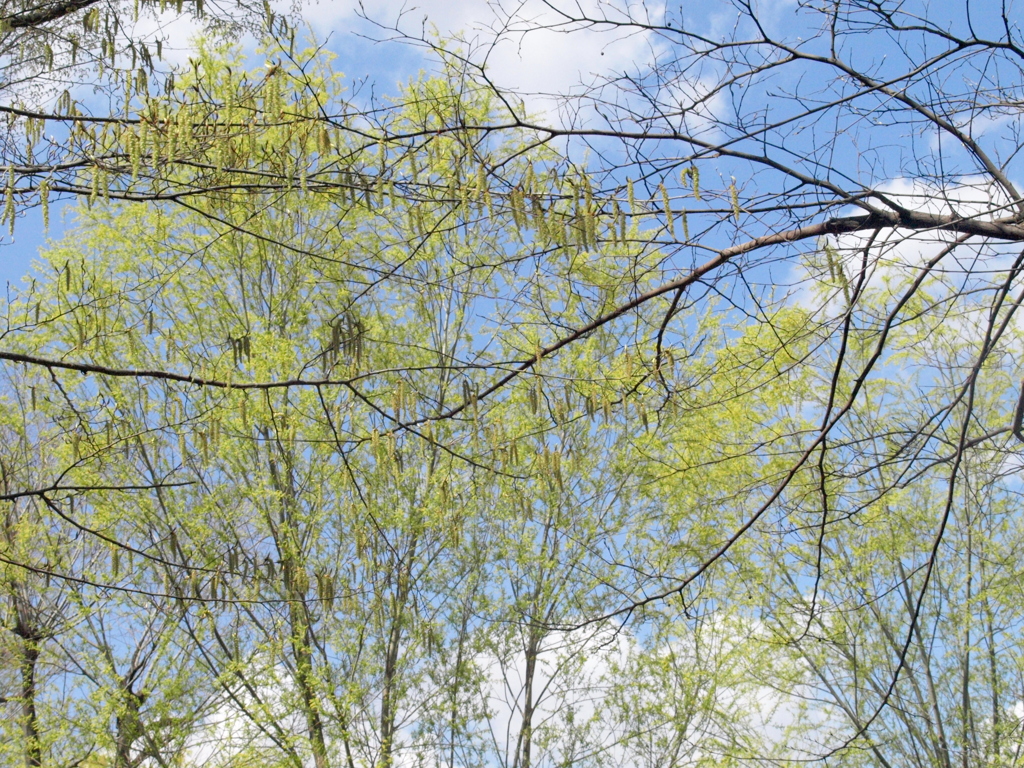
42	14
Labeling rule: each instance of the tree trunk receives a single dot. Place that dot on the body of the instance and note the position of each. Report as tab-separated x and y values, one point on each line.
296	583
387	704
29	652
301	647
526	732
129	729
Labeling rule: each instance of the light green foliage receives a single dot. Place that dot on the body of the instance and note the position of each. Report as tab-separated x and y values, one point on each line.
366	565
348	448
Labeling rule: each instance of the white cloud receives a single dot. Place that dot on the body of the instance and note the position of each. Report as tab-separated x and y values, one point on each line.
176	33
527	51
592	690
896	255
531	50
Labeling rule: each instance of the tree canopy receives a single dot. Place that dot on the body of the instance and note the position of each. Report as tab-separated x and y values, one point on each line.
678	426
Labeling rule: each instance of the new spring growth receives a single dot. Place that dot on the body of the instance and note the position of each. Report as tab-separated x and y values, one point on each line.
835	264
9	199
667	204
44	202
135	150
481	185
830	256
690	177
518	209
94	184
734	197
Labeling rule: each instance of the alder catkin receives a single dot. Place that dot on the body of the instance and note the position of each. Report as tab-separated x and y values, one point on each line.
94	185
44	202
667	204
481	185
9	199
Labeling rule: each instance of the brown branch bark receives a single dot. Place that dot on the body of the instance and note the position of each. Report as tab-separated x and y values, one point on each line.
45	13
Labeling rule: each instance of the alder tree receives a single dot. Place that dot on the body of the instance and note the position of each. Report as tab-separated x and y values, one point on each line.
673	427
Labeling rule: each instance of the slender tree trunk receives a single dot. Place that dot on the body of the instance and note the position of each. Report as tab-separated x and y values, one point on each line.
387	704
967	718
524	755
296	583
29	653
129	729
456	680
301	648
995	748
387	716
